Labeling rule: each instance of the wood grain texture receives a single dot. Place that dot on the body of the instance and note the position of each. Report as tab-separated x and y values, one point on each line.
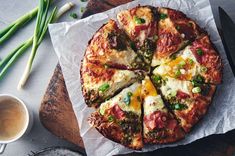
57	115
56	112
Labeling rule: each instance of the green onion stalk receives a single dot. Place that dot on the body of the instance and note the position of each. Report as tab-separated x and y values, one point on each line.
6	33
39	34
11	58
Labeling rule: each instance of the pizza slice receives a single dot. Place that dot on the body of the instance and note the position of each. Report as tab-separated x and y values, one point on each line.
100	82
111	46
200	58
188	100
119	118
159	125
140	23
175	31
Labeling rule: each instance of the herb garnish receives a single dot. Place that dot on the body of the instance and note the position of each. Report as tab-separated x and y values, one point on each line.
178	106
73	15
199	52
157	79
163	16
104	87
139	20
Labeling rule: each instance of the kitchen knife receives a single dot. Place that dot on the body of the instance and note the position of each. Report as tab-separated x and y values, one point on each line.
228	37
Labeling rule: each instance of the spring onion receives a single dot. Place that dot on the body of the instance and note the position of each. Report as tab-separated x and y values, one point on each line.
12	57
199	52
178	106
139	20
39	33
196	90
163	16
104	87
16	25
73	15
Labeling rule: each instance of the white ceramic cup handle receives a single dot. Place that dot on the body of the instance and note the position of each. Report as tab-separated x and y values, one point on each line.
2	148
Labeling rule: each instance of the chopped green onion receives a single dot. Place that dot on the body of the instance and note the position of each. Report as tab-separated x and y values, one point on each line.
196	90
102	111
191	61
104	87
182	64
73	15
198	80
63	10
163	16
173	93
199	52
177	73
203	69
178	106
139	20
129	94
156	79
173	57
110	118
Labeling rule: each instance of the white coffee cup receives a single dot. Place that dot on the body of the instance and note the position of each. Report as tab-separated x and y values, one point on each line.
28	121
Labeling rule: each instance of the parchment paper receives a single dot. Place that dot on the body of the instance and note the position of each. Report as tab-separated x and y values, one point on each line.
70	41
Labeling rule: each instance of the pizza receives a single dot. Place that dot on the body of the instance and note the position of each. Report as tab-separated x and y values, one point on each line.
119	118
189	100
175	31
140	24
199	58
110	46
150	76
159	124
101	82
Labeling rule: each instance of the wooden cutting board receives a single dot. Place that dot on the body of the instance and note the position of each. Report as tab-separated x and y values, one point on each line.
56	113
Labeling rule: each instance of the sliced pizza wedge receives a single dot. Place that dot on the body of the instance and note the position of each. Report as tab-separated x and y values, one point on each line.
159	125
200	58
188	100
111	46
140	23
100	82
175	31
119	118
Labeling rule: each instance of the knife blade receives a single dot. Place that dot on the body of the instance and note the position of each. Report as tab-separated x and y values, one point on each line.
228	37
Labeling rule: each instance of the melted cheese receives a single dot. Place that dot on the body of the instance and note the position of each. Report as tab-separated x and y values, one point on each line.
135	104
187	53
173	85
120	79
152	101
190	69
